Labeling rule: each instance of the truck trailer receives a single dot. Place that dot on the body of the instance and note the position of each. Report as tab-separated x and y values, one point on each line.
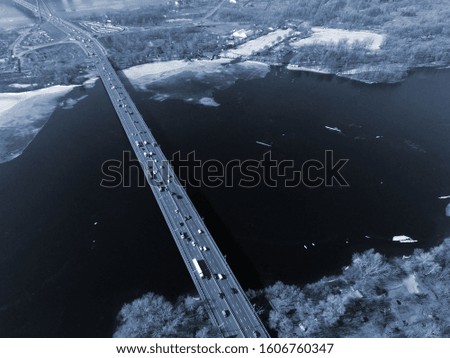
198	268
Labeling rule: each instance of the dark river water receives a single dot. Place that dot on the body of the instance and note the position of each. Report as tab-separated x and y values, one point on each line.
72	253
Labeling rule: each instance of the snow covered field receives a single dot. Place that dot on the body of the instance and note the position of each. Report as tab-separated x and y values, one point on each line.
259	44
323	35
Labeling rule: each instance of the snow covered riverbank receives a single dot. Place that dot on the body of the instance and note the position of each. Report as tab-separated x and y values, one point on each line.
22	116
192	81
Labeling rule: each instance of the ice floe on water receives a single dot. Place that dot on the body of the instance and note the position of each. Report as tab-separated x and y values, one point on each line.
403	239
333	129
414	146
22	115
192	81
208	101
263	143
69	103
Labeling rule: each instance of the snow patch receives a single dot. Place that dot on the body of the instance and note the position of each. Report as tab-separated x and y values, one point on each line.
411	284
314	69
240	34
323	35
179	20
20	85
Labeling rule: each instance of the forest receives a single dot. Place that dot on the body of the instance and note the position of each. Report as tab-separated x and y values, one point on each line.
417	34
142	17
159	44
154	316
60	64
374	296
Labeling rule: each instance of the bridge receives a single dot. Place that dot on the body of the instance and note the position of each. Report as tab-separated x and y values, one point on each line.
225	300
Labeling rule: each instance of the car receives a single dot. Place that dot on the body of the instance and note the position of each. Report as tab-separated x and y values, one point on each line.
256	334
221	295
225	313
234	290
220	276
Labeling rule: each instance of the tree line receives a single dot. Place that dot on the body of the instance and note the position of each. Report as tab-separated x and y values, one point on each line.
374	296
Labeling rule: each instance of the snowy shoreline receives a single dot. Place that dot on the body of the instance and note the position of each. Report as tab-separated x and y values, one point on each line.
24	114
192	81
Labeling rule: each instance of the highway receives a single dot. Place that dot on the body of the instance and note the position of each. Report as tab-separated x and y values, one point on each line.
225	300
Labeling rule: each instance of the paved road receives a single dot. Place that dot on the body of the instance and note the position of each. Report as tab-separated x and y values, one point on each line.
225	300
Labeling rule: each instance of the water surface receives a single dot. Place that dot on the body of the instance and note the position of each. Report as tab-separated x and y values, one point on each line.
72	252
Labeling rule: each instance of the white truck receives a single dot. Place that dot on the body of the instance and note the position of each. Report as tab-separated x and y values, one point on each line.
198	268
